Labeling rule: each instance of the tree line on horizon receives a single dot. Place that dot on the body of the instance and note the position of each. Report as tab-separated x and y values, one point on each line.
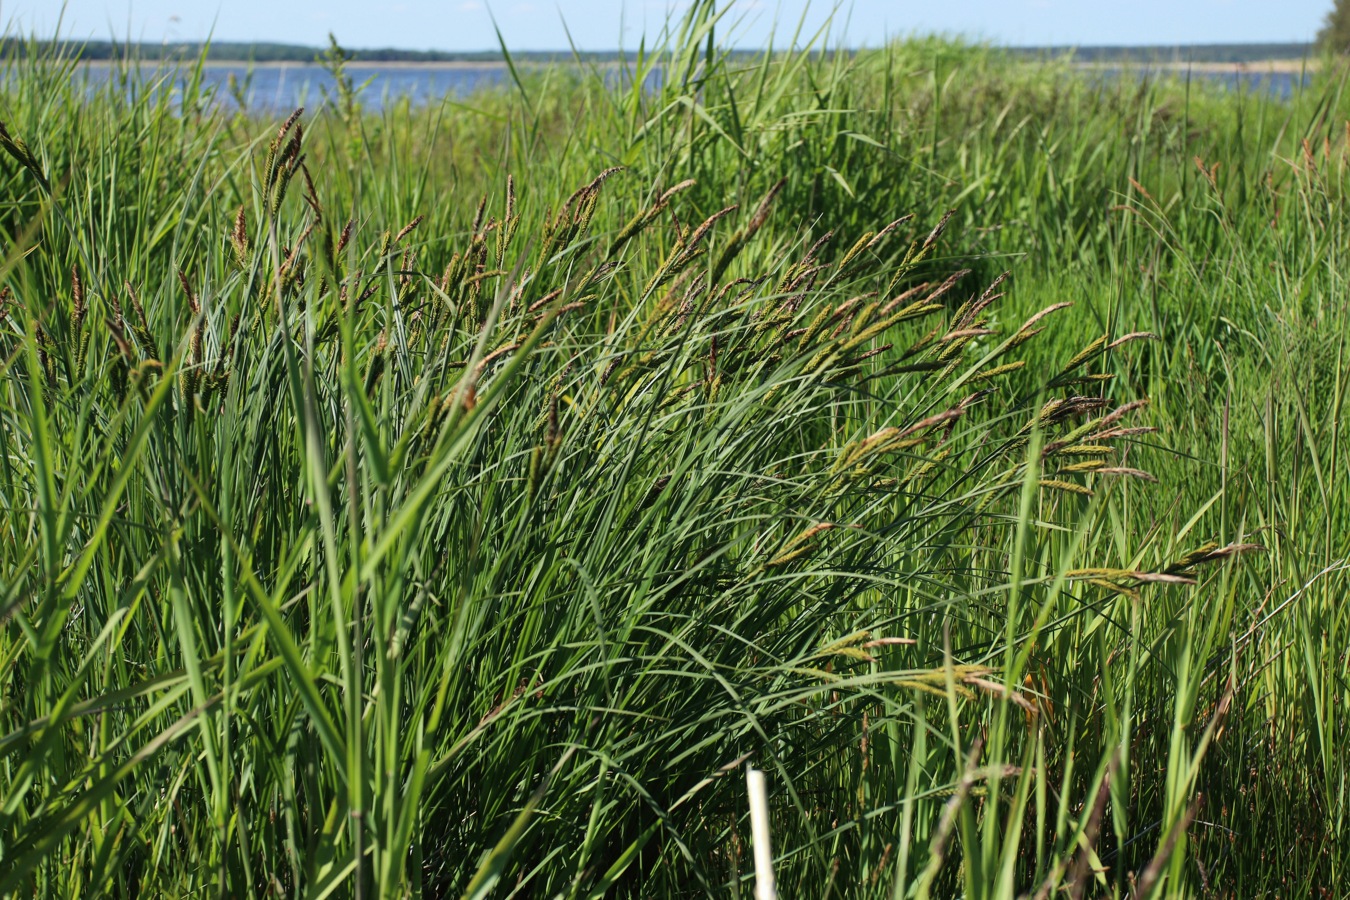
1335	33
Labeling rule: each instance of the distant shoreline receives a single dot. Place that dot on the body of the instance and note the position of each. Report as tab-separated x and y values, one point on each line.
1262	67
1256	67
1269	56
1259	67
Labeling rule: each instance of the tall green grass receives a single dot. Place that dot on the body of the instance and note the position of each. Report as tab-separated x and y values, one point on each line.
453	500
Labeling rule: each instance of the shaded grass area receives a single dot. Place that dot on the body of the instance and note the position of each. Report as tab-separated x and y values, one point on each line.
451	501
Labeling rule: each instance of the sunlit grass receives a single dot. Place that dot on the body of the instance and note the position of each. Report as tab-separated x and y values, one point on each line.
453	500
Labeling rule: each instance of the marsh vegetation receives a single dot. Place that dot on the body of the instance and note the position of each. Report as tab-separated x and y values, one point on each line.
450	500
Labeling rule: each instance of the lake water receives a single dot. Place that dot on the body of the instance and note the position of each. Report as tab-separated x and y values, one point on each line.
1281	84
279	88
276	88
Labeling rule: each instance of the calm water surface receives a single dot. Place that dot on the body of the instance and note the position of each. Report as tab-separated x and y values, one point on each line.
1281	84
283	87
274	88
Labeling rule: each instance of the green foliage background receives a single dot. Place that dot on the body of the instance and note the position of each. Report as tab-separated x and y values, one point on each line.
1335	33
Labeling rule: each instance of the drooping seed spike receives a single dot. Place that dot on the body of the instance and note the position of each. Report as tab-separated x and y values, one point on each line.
239	237
408	229
886	232
345	236
311	195
1085	354
761	214
946	286
193	302
936	233
286	126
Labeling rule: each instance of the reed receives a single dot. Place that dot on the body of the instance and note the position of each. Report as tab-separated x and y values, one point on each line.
454	500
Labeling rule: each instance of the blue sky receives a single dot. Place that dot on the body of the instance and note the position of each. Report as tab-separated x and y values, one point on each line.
602	24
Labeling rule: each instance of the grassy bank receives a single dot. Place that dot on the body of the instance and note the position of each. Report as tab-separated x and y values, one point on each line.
452	501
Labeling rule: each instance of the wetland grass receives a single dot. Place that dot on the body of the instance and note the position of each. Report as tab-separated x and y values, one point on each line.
452	501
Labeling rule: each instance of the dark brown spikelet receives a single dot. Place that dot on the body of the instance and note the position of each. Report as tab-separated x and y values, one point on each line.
946	286
886	232
135	303
593	186
292	155
936	233
345	236
311	195
120	339
286	126
478	216
270	167
905	297
658	487
239	237
802	274
742	236
44	341
369	291
554	433
77	297
701	231
544	300
762	211
79	339
187	289
408	229
970	313
143	330
647	216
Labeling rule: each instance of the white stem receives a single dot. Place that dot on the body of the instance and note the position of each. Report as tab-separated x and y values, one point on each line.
765	889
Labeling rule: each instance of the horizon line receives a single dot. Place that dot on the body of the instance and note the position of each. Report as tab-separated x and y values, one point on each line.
951	36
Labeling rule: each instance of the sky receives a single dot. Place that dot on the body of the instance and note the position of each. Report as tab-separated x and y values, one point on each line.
607	24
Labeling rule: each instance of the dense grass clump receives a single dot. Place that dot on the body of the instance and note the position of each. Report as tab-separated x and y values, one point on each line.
453	500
